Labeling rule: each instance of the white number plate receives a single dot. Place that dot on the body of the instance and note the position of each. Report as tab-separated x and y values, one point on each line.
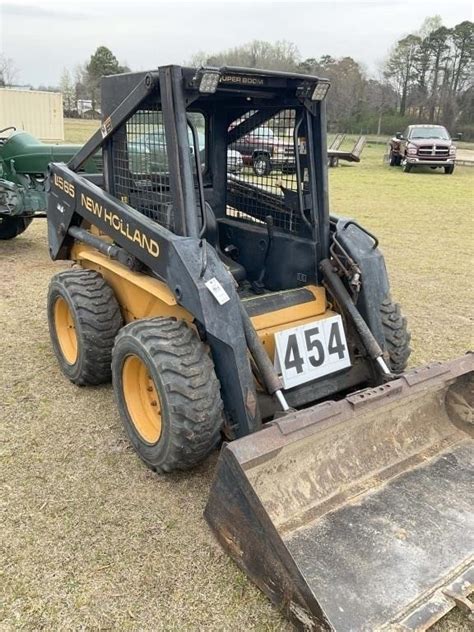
311	351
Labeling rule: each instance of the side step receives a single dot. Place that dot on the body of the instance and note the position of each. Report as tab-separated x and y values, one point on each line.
358	514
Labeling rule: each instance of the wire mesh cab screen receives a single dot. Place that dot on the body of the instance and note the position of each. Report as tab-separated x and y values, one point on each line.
262	170
141	167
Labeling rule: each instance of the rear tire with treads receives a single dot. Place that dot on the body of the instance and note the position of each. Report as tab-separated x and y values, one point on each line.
397	336
167	393
84	318
11	227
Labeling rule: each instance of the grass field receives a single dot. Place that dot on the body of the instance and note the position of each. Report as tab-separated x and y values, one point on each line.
79	130
91	539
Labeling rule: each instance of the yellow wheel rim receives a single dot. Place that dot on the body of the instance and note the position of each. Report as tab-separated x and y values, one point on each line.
141	399
65	330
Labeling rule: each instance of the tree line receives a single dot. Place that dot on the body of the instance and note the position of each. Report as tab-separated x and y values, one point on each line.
426	78
84	84
431	72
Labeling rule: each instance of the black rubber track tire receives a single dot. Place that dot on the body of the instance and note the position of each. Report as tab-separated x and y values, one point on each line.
397	336
97	320
392	159
11	227
449	170
184	377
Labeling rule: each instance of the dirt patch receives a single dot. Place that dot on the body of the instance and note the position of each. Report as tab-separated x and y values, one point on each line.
91	538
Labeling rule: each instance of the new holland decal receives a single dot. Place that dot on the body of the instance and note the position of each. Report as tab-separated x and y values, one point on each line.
121	226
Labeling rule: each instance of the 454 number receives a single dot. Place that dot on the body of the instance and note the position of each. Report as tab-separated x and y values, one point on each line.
312	350
316	353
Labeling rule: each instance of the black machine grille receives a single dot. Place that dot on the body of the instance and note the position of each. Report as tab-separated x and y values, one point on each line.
266	182
140	166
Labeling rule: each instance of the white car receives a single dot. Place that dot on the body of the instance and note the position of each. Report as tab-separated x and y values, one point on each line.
235	162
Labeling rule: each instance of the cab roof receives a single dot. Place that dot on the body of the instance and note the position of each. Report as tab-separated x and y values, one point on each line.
232	82
430	125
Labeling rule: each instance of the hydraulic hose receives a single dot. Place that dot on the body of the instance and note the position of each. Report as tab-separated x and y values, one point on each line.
269	375
338	288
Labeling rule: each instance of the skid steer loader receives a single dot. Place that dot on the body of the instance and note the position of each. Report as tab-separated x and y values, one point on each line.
222	302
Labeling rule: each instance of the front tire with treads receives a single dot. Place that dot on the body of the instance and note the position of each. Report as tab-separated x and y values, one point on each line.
167	393
84	318
397	336
394	159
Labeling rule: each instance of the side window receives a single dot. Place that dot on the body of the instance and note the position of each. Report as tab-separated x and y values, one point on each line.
146	143
262	162
153	145
197	124
141	162
140	166
406	132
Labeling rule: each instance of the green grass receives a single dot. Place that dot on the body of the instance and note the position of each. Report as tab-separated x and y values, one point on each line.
374	139
91	539
79	130
424	222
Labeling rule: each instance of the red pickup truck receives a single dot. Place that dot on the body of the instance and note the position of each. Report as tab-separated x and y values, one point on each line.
264	151
423	145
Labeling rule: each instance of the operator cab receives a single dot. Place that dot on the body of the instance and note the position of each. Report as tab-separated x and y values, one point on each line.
255	142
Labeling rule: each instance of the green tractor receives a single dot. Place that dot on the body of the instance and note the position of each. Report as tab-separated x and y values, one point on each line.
23	169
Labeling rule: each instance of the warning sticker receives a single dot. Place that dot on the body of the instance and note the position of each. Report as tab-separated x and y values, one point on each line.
217	291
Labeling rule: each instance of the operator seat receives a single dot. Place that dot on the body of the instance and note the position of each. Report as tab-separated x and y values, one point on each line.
212	236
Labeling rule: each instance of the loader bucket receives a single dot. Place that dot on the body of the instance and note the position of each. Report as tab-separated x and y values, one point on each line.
358	514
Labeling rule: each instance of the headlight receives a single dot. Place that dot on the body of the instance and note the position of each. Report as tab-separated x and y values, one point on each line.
320	90
452	150
412	150
209	80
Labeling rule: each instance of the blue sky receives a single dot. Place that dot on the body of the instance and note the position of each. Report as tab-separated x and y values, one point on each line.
44	36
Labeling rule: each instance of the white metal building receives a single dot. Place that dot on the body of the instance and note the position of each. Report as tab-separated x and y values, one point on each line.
36	112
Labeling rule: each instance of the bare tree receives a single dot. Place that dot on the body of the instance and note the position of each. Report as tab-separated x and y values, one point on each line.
429	25
8	71
438	47
401	67
66	86
80	82
280	55
380	97
432	69
462	37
